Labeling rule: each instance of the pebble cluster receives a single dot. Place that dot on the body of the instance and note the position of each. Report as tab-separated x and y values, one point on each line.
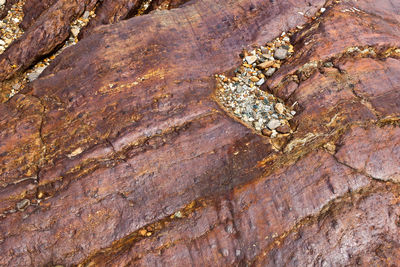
242	96
9	26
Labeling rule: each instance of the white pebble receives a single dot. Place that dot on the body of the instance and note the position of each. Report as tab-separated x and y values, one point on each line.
273	124
75	31
86	15
260	82
251	59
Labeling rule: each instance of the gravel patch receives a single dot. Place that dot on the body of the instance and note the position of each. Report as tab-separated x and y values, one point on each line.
9	26
243	97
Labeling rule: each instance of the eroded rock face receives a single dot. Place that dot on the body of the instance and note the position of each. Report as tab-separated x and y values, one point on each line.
119	154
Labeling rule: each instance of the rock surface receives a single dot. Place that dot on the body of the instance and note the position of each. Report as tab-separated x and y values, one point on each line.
119	154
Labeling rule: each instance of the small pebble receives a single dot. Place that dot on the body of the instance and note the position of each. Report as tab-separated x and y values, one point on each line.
270	72
273	124
279	108
251	59
254	79
75	31
143	232
265	64
225	252
34	75
86	15
178	214
23	204
283	129
260	82
331	147
281	53
266	132
16	86
229	229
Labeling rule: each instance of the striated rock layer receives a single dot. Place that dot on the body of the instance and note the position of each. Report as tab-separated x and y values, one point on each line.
119	154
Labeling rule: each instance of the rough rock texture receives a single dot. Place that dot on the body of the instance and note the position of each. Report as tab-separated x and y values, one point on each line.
33	9
113	11
48	32
47	25
119	155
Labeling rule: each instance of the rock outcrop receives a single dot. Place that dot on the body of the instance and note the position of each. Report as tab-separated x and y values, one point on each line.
119	154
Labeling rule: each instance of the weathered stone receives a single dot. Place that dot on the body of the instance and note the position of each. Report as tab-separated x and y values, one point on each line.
254	79
139	110
280	53
251	59
266	132
273	124
55	22
23	204
270	72
283	129
280	108
265	64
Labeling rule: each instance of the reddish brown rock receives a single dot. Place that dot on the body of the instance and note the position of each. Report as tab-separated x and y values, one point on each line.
48	32
47	25
237	228
324	38
113	11
33	9
283	129
362	230
126	158
377	157
266	132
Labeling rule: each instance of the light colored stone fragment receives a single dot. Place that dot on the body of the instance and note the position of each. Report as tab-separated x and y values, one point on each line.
273	124
251	59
